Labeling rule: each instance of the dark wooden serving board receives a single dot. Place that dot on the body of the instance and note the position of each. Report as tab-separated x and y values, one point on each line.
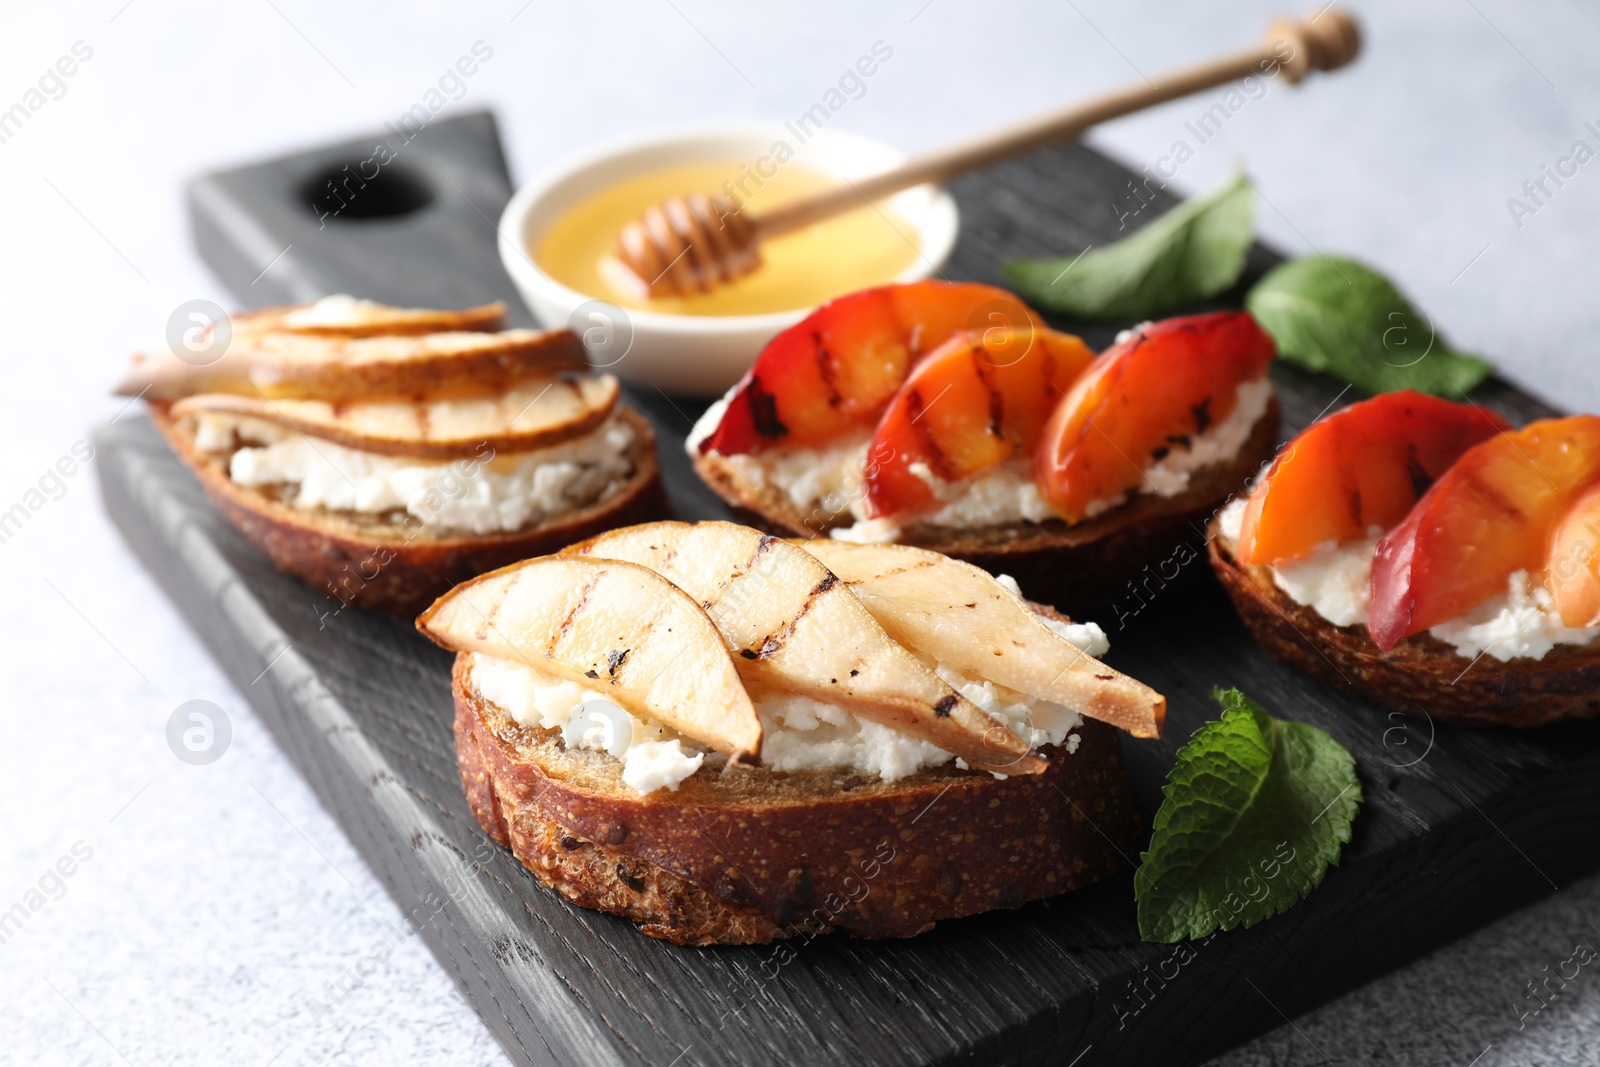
1459	826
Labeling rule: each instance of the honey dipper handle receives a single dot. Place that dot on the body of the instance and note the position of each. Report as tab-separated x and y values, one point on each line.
1326	41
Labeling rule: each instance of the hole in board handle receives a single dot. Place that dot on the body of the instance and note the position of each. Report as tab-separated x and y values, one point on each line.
350	191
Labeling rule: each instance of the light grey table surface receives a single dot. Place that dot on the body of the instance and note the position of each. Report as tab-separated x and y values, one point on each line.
220	915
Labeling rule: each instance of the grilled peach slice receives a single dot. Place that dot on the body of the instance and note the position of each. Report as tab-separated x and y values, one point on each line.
1166	383
1573	564
1361	467
973	403
1491	514
838	368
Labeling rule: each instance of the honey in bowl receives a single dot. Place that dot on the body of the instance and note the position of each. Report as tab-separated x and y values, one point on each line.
855	250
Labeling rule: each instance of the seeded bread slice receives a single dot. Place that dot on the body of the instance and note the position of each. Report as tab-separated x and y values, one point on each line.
750	855
393	562
1077	568
1421	674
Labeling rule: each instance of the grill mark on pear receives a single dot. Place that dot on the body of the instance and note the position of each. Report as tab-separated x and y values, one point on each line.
575	390
573	613
773	642
921	564
482	632
614	659
744	570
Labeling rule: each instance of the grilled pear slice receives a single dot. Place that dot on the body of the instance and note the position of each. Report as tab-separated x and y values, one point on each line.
793	626
611	626
959	614
302	366
346	316
531	414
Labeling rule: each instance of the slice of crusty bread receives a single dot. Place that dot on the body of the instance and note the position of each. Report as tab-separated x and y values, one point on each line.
749	855
384	563
1076	568
1421	673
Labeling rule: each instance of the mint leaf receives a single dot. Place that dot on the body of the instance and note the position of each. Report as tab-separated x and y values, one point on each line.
1335	315
1194	251
1256	810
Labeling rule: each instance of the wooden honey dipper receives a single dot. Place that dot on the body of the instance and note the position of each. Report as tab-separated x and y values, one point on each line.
693	243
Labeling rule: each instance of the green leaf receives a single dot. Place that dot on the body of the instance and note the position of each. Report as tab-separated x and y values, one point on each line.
1194	251
1255	812
1335	315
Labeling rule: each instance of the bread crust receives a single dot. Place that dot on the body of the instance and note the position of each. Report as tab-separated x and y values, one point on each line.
375	563
1078	567
1420	675
750	855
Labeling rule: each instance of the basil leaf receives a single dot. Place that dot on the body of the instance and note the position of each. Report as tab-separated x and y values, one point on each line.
1194	251
1255	812
1335	315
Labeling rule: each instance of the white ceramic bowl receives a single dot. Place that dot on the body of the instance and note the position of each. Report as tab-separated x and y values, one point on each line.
695	354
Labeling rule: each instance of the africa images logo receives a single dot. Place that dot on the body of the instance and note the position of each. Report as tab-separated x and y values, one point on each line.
199	732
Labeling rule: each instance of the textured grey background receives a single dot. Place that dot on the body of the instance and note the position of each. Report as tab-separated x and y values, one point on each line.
222	916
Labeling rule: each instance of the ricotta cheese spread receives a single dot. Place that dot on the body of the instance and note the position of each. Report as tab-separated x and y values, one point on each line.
828	483
709	420
1522	621
653	756
799	733
485	495
1086	635
1335	581
336	310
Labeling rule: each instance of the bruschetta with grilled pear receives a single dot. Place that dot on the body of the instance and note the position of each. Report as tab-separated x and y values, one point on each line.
385	454
706	730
